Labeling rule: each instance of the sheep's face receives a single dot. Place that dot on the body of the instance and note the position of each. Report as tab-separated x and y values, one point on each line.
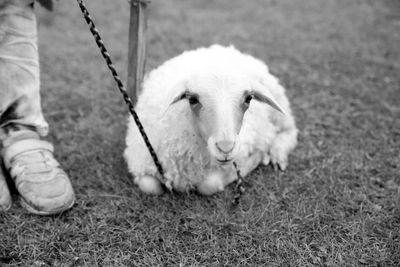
218	104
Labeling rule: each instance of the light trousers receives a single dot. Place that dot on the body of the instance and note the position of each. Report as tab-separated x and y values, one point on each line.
20	104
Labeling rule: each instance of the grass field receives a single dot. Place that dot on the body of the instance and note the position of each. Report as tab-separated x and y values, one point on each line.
338	204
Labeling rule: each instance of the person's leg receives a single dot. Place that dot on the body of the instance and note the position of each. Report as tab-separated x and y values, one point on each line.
43	186
5	198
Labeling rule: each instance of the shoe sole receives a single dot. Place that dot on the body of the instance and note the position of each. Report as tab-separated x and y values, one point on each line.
30	208
5	209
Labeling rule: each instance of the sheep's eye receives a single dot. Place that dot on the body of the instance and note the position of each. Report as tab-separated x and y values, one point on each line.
248	99
193	100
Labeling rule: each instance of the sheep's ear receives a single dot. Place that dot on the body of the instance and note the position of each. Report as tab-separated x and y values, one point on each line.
262	94
179	98
176	99
181	88
262	97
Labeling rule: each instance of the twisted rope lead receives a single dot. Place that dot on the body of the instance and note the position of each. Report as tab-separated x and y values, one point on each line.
239	188
121	87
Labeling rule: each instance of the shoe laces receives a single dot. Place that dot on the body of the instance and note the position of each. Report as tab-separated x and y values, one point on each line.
33	162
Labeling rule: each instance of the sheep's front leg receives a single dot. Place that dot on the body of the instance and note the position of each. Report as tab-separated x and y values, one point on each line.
216	180
249	163
281	146
149	185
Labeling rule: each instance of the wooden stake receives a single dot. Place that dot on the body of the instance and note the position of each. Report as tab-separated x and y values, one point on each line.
136	47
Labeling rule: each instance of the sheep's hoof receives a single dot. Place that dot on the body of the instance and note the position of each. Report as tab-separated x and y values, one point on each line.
279	165
213	183
150	185
279	158
266	159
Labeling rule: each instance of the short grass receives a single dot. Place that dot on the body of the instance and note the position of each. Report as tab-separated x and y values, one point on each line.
338	204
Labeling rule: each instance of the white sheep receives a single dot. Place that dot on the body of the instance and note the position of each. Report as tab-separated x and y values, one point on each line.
204	109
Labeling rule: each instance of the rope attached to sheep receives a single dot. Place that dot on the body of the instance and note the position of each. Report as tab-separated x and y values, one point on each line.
120	85
239	188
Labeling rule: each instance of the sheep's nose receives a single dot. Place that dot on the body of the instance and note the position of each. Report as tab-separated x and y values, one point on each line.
225	146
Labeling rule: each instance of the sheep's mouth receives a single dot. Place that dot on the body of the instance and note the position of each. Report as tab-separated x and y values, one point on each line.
224	161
